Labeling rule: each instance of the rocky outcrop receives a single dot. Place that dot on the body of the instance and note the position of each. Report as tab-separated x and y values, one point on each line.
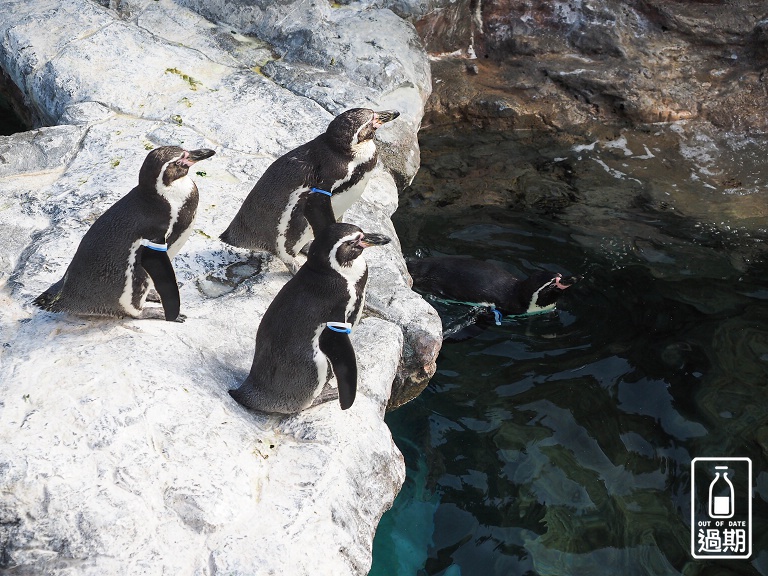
664	102
121	450
575	65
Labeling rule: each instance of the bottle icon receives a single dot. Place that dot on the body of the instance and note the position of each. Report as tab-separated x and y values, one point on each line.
721	495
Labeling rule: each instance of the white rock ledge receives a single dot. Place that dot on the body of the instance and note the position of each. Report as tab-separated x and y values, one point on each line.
120	450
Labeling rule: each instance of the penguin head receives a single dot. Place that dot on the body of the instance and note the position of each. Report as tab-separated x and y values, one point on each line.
340	244
356	126
543	289
167	164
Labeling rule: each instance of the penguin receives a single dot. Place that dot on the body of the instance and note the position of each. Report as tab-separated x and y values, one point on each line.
130	246
305	330
281	212
470	281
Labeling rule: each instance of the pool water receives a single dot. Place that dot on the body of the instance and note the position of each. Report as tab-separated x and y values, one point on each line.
561	443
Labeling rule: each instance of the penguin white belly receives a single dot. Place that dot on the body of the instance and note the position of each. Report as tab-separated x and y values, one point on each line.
126	298
534	308
176	194
174	248
342	201
321	362
304	239
364	153
352	274
356	320
285	221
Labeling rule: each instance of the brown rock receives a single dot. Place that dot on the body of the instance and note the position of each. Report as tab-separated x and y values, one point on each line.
574	67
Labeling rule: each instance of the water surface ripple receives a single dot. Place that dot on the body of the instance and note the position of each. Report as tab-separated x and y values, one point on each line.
561	444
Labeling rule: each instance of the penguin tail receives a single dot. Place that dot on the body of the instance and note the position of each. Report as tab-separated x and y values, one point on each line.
245	395
234	239
43	301
226	236
47	300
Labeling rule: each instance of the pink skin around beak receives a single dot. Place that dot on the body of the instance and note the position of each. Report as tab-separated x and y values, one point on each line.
185	160
559	284
189	158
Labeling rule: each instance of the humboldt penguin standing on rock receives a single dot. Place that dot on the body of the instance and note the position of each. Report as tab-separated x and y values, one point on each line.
303	338
281	212
129	248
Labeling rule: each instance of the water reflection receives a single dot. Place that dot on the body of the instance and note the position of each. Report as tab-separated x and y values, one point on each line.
561	444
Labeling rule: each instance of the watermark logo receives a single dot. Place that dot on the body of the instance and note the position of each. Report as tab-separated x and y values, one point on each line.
721	508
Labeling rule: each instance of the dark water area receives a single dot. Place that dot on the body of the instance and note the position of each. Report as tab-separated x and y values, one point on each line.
561	443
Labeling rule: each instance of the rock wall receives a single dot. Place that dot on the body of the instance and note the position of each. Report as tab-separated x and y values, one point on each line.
573	65
120	449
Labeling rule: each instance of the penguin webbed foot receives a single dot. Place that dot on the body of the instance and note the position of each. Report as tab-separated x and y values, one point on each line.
153	296
295	264
328	394
158	313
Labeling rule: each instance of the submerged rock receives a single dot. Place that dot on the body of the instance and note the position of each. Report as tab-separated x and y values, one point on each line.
121	449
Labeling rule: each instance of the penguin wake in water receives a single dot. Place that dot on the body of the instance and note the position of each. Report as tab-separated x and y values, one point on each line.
129	248
303	338
283	208
485	284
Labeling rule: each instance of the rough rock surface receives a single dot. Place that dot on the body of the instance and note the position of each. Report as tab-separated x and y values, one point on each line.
644	90
120	450
574	66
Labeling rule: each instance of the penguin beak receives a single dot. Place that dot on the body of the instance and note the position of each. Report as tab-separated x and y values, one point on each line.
370	239
197	155
381	118
564	283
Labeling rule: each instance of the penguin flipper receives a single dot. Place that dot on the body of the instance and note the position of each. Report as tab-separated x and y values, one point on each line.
318	211
158	266
338	348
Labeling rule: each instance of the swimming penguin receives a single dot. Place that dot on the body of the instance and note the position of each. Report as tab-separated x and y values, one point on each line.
305	330
133	242
470	281
279	214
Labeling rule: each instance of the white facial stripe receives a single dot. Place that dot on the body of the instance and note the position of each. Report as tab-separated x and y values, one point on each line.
176	193
533	307
351	274
343	270
357	132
